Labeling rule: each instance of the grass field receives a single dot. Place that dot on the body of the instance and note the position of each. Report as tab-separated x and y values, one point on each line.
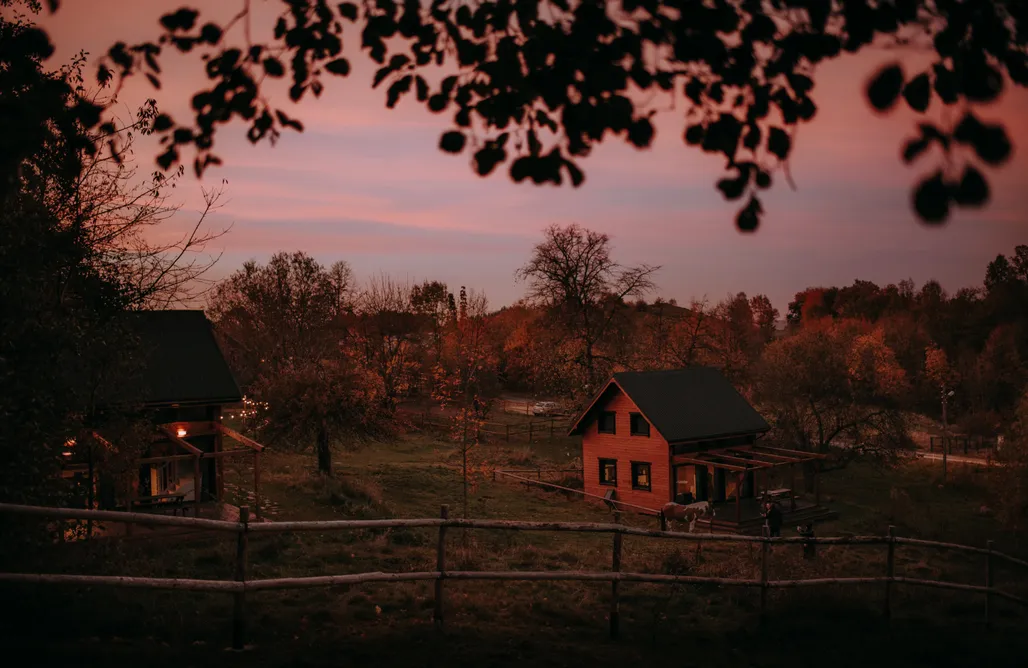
548	624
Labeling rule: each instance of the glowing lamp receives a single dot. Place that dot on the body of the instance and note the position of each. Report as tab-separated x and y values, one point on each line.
66	454
181	432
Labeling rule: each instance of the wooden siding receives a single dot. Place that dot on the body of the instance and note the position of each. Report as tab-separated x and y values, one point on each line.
626	449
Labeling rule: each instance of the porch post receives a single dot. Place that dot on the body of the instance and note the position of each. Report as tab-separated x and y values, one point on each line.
196	486
817	483
792	486
257	484
738	498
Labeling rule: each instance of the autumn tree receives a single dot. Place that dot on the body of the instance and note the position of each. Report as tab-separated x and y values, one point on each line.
835	391
75	256
1011	478
318	403
572	275
288	311
433	302
462	377
385	335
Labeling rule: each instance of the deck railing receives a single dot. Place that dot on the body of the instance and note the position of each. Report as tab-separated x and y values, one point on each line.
241	585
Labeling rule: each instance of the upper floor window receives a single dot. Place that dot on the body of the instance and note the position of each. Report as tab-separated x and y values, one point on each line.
639	425
608	422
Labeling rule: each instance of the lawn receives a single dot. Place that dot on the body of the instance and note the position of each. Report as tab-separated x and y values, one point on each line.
549	624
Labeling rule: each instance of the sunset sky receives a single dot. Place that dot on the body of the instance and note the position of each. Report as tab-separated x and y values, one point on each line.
369	185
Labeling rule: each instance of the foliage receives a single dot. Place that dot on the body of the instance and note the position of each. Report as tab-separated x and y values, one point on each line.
289	310
461	378
539	84
835	390
582	289
1011	492
385	335
324	401
73	259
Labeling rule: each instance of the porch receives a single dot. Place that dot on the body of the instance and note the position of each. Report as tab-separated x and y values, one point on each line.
750	519
735	479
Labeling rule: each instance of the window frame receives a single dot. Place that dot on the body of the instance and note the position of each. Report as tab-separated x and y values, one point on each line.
599	423
649	476
632	418
602	462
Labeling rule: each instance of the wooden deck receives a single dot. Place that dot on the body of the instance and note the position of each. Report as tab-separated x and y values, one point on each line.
751	521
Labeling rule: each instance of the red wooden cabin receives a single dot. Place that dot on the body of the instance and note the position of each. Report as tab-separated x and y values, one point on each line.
688	435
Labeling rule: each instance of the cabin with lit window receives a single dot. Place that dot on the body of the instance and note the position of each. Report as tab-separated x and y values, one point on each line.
687	435
183	387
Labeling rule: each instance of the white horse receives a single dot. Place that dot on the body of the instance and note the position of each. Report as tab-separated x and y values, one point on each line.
686	512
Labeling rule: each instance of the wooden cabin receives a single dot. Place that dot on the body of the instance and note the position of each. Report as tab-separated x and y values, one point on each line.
687	435
183	387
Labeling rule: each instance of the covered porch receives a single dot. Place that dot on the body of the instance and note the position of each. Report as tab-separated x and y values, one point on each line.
187	477
736	479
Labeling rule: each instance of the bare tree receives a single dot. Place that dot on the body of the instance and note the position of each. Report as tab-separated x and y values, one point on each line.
571	274
384	335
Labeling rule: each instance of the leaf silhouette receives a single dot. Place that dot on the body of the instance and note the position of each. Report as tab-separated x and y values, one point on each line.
885	87
973	190
918	92
452	141
932	198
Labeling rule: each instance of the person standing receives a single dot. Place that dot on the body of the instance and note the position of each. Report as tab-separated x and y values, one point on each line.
774	520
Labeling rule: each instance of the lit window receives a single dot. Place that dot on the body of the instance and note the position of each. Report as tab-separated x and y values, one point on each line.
609	472
641	475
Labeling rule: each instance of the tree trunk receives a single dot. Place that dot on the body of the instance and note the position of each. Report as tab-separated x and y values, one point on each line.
464	465
324	452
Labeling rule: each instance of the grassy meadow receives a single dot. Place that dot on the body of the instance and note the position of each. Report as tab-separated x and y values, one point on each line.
549	624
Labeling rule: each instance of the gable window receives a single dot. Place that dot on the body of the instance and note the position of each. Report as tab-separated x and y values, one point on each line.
639	425
641	475
608	422
609	472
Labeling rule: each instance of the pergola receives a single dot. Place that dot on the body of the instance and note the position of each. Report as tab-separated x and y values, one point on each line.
172	431
743	459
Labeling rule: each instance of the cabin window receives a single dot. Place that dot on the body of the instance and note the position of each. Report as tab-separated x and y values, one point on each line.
608	472
639	425
608	422
641	475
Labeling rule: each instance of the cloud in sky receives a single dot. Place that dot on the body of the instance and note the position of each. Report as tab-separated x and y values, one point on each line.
370	185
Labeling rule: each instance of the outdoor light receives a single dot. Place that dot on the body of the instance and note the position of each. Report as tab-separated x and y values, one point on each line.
66	454
181	432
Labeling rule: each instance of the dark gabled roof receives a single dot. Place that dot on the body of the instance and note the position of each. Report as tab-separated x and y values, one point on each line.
181	360
684	404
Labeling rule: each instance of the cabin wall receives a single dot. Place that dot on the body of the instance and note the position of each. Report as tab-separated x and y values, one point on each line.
625	448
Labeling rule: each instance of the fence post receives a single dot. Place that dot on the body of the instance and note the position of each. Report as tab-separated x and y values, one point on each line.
890	570
529	432
239	609
765	548
440	564
614	602
988	583
508	433
552	421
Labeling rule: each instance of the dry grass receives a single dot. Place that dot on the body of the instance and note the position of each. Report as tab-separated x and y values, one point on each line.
545	623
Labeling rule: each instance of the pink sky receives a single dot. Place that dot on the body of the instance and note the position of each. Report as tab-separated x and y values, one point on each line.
369	186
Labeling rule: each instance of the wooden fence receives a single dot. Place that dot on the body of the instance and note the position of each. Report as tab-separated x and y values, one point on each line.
967	444
241	585
530	431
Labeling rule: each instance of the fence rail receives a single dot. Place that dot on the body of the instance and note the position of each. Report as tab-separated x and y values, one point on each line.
534	430
241	585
